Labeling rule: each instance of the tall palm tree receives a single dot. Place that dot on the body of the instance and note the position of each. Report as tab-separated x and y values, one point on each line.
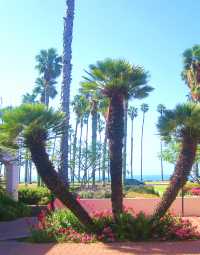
34	124
191	71
41	90
132	112
65	90
118	80
160	109
49	67
183	123
144	109
125	140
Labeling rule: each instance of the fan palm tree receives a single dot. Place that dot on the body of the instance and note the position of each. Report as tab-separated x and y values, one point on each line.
160	109
65	90
29	98
118	80
35	124
41	90
183	123
144	109
191	71
132	112
49	67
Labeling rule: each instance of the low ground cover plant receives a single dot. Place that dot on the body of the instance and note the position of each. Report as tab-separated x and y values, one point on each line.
63	226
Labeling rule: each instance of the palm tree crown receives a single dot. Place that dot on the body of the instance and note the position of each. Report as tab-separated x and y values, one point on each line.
191	72
133	112
183	120
112	75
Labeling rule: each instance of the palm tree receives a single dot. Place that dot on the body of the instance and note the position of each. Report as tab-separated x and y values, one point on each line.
118	80
183	124
125	140
41	90
80	106
35	124
160	109
65	90
49	67
191	71
29	98
132	112
144	109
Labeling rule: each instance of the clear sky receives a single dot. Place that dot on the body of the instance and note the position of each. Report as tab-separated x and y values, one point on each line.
152	33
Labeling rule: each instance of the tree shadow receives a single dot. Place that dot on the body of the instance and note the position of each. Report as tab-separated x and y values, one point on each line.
174	247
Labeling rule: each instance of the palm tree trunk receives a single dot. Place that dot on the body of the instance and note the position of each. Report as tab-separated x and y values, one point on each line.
115	136
141	152
161	161
125	139
65	98
180	176
132	149
86	150
52	180
94	142
79	154
104	156
74	151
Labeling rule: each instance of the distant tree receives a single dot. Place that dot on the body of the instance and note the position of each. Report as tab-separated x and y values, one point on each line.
160	109
49	66
132	112
144	109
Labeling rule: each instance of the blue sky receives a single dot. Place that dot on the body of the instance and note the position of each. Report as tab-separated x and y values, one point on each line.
152	33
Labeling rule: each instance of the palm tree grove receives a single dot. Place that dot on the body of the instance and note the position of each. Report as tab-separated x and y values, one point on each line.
100	144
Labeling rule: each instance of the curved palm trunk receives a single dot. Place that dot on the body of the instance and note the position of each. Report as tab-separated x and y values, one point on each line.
115	136
52	180
180	175
125	139
65	98
141	152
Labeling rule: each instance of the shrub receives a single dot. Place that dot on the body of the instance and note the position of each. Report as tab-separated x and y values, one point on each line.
189	186
10	209
195	191
95	194
34	195
141	190
62	225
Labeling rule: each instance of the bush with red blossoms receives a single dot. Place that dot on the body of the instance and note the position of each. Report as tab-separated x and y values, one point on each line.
63	226
195	191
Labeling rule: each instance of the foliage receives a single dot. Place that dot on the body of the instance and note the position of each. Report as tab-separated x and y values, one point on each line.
34	195
142	189
10	209
63	226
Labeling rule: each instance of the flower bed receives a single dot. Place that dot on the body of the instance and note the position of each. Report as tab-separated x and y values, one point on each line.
63	226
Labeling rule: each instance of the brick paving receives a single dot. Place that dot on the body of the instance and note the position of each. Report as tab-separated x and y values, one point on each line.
19	248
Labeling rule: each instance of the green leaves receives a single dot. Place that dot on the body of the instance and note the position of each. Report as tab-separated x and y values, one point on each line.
185	118
27	119
111	76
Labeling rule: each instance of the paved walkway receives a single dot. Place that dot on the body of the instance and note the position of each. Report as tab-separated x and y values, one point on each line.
18	229
19	248
15	229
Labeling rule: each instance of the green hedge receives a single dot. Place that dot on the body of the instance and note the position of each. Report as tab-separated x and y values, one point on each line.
10	209
34	195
